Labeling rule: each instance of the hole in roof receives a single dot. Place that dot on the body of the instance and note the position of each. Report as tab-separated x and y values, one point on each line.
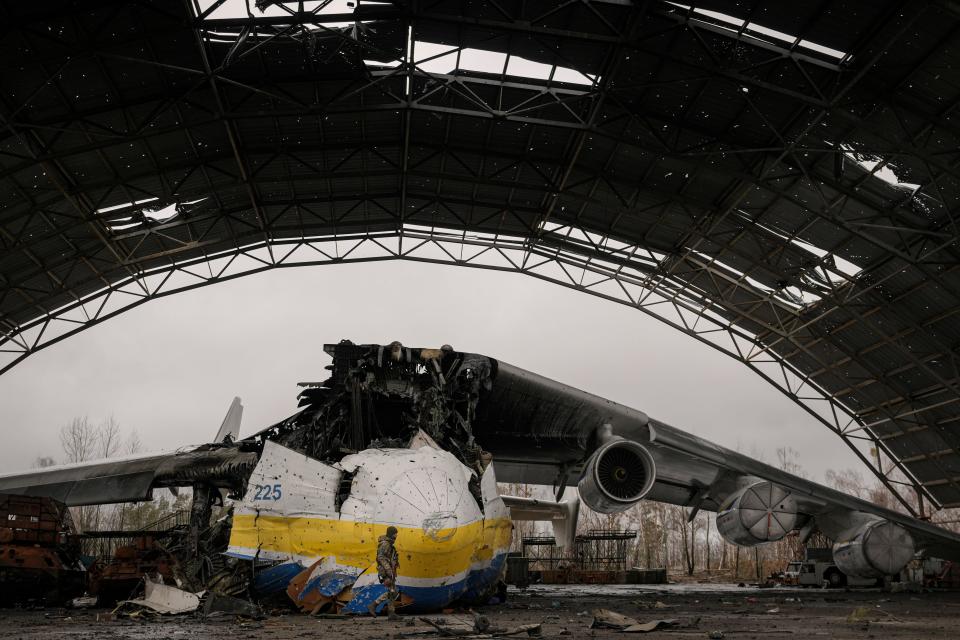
432	57
739	275
843	266
830	273
146	215
244	8
124	205
163	214
761	32
792	295
878	168
123	226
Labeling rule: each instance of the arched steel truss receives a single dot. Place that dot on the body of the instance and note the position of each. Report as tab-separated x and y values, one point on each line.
739	172
566	256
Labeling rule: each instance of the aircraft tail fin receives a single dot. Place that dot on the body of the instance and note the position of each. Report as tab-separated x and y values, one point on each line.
231	422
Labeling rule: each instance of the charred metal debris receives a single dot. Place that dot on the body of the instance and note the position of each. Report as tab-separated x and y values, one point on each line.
380	396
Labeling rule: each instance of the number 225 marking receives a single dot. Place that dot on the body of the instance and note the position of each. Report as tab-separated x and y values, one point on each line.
267	492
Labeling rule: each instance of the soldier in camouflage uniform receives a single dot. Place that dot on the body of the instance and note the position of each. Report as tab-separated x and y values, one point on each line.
388	561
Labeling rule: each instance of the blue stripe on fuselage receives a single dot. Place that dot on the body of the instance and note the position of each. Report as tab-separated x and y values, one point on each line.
427	599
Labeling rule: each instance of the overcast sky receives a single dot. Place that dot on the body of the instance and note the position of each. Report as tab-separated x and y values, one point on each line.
170	368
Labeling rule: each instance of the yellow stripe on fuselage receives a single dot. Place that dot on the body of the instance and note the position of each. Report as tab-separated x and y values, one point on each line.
441	553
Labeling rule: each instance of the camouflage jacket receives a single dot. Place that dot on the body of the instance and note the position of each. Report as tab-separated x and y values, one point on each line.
387	558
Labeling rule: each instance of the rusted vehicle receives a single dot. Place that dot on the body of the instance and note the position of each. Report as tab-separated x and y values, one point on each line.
120	576
39	560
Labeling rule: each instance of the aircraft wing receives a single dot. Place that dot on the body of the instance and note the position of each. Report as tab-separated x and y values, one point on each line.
813	500
98	482
544	432
133	478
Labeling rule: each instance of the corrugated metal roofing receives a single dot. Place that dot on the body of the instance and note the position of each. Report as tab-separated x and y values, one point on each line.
741	151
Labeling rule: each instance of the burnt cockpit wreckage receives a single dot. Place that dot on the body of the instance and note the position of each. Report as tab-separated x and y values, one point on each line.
381	396
417	439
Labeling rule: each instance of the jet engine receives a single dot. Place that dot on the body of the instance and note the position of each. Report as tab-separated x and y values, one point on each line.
618	475
761	512
873	550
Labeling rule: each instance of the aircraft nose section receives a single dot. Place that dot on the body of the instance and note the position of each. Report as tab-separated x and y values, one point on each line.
433	497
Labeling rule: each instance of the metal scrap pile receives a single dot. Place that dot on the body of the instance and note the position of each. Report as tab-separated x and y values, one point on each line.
180	570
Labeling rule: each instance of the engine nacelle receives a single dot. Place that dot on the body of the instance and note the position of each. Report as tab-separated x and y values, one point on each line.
762	512
617	476
874	550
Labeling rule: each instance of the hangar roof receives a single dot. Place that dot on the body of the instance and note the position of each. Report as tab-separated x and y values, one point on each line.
776	179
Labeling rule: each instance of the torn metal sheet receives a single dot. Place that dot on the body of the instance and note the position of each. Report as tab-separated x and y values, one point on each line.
276	578
607	619
163	598
647	627
307	601
286	493
421	439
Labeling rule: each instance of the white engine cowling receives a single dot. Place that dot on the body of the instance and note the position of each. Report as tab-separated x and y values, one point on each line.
876	549
762	512
617	476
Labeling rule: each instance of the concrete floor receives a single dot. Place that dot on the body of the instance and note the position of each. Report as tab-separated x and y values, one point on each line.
565	611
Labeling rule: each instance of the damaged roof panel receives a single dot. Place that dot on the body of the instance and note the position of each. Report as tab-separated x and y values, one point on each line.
755	146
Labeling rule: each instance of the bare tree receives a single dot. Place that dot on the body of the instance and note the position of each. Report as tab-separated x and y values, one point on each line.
109	439
848	481
81	442
688	537
788	459
134	444
78	439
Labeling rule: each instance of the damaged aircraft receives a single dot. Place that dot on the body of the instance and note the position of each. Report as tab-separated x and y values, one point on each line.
417	439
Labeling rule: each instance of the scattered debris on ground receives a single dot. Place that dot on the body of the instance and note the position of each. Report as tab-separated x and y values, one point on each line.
160	598
216	604
717	612
477	627
606	619
82	602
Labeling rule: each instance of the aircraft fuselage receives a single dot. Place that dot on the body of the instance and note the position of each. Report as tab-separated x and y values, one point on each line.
299	509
